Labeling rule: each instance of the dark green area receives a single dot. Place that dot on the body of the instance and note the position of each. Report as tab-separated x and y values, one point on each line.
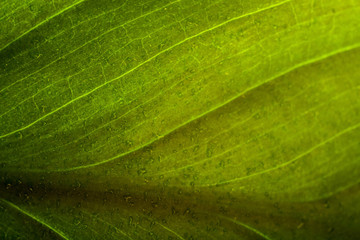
179	119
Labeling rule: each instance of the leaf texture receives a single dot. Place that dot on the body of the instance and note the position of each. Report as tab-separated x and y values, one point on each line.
180	119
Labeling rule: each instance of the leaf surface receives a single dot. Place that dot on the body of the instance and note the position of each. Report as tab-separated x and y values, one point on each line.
180	119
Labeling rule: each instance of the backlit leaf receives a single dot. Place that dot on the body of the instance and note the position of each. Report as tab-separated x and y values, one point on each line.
183	119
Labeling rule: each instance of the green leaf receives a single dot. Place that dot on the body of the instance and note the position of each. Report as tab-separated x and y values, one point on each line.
180	119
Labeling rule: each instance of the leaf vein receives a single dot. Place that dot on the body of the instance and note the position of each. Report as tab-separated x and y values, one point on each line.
143	63
338	51
339	134
41	23
58	232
